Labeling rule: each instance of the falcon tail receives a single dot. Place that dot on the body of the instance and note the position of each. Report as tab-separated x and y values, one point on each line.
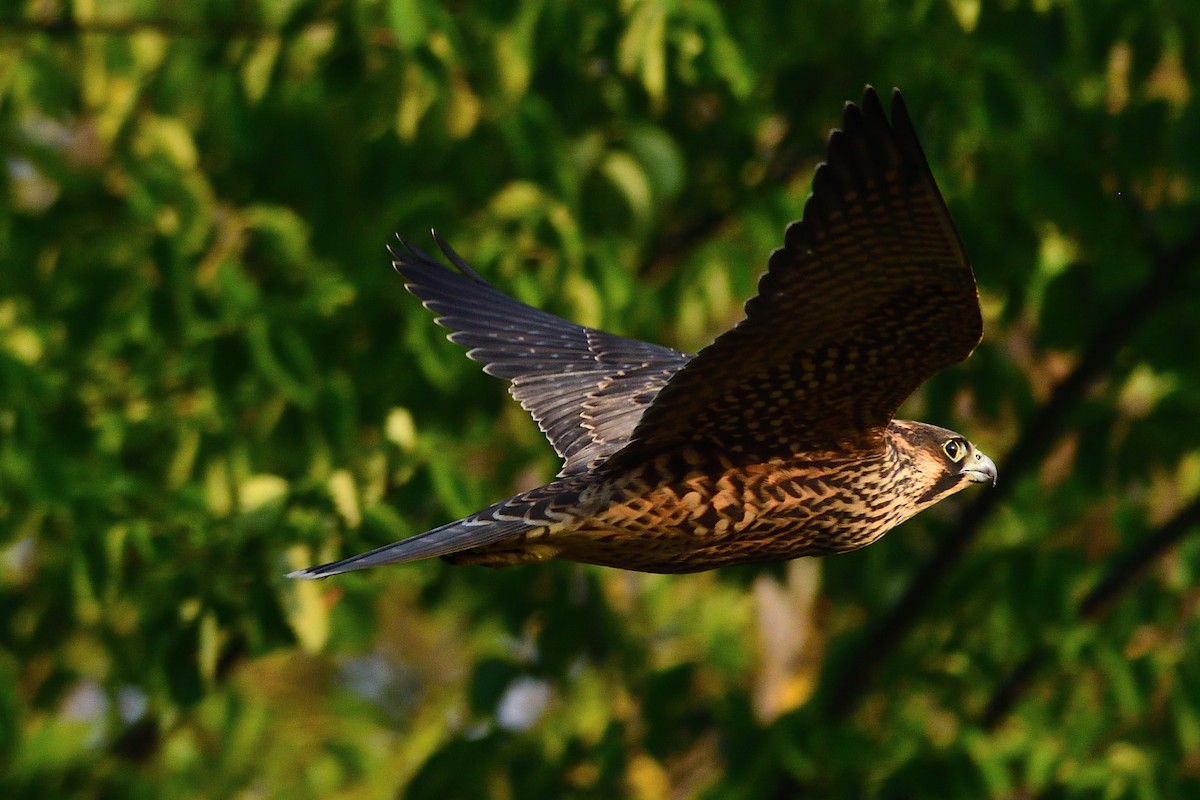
453	537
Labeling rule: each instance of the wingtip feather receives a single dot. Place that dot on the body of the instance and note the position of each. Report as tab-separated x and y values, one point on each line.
457	260
305	575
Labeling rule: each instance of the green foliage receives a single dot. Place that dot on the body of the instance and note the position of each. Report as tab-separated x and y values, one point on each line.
209	376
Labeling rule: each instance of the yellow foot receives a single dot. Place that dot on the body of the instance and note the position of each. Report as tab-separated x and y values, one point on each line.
526	554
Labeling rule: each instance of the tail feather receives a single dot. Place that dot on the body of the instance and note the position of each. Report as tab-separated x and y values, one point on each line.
453	537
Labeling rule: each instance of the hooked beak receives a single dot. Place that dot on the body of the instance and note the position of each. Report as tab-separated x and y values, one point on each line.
981	470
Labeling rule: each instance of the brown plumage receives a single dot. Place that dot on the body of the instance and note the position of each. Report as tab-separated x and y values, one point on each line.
775	441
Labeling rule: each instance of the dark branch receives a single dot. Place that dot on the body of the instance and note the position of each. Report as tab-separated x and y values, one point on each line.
783	164
681	240
1035	441
1098	601
1013	687
67	26
1095	605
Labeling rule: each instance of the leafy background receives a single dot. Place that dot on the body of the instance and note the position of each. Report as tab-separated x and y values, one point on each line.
209	375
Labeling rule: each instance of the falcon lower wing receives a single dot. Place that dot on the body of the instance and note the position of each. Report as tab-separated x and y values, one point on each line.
585	388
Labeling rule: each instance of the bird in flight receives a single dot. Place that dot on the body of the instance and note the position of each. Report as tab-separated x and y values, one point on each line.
778	440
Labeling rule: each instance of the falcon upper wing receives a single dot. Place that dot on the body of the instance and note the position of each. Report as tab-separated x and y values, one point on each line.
585	388
870	295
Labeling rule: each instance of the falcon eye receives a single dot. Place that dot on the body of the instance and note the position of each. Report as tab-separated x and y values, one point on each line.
955	449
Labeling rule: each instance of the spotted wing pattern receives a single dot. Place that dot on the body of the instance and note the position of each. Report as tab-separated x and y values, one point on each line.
870	295
586	388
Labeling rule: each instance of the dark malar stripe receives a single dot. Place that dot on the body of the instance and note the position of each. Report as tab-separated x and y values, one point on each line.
943	485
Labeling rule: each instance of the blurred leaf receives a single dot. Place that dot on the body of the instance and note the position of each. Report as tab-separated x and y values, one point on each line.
643	47
407	18
631	182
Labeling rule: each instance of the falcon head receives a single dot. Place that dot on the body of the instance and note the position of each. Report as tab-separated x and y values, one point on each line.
938	462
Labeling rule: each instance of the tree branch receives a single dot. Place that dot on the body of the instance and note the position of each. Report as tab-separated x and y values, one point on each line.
787	159
67	25
1095	606
1035	441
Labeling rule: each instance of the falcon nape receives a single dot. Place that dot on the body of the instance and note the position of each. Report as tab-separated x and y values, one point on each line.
775	441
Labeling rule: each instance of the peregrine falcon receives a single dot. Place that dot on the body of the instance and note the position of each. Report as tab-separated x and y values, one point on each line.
775	441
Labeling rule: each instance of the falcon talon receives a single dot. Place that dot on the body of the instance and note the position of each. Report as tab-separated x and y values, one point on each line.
778	440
